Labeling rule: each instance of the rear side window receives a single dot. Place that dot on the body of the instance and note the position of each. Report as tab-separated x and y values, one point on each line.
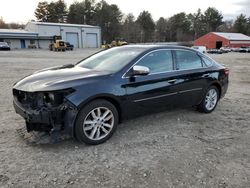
158	61
207	61
187	60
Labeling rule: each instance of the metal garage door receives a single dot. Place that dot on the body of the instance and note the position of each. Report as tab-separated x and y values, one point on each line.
91	41
72	38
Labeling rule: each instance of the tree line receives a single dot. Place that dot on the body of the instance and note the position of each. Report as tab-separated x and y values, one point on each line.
115	24
11	25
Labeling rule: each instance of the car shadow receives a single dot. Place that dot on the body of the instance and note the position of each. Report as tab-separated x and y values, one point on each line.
135	124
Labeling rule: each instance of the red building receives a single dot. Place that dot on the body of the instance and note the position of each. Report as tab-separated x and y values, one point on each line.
217	40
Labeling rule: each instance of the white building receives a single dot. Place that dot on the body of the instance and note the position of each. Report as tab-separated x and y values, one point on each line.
81	36
41	34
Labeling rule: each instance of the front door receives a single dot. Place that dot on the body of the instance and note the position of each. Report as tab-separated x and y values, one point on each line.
155	90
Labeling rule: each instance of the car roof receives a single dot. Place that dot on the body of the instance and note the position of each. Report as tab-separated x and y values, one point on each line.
156	46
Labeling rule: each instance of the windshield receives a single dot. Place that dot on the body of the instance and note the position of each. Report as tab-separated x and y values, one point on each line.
111	60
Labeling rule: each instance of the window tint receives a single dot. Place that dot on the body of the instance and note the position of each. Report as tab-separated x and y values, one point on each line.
158	61
187	60
207	61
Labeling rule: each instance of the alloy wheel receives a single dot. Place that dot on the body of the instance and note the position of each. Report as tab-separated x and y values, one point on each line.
98	123
211	99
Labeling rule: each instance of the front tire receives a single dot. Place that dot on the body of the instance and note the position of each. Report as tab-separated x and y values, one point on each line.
96	122
209	102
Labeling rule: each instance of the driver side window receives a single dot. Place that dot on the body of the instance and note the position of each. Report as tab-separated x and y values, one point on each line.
158	61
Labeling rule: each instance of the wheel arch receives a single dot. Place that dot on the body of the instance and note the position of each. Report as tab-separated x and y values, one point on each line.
218	86
110	98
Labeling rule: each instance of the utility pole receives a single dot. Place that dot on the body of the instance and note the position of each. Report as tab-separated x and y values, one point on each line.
84	17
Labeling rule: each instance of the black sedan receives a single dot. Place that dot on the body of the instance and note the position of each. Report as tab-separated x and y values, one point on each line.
88	100
4	46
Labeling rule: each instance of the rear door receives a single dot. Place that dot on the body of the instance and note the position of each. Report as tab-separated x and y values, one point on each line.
191	77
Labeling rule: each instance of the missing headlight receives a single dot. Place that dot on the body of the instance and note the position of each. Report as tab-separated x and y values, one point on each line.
56	98
52	99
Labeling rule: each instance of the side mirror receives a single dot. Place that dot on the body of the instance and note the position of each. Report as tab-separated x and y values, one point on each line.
140	70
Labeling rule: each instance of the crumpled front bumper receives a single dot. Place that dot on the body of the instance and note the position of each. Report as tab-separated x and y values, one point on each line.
56	121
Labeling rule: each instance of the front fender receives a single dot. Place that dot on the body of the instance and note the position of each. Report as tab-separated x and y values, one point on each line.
86	93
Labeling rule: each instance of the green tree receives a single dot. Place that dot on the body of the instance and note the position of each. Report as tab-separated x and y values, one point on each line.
241	24
212	18
81	12
76	13
61	10
130	29
52	12
147	25
57	11
108	17
179	27
197	26
89	7
41	12
161	30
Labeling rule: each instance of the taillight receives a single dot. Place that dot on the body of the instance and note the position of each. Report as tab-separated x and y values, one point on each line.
226	71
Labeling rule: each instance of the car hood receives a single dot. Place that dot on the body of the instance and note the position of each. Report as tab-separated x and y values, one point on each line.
57	78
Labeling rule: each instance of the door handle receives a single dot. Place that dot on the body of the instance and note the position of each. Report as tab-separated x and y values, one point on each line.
206	75
172	81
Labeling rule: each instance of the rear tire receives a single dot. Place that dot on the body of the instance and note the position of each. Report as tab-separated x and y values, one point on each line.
96	122
210	100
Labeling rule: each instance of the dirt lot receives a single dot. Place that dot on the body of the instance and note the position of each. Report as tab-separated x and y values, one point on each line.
181	148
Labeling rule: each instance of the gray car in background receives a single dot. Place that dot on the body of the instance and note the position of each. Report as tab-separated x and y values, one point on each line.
4	46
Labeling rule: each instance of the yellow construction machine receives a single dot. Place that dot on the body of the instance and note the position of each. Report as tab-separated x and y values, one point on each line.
116	42
58	44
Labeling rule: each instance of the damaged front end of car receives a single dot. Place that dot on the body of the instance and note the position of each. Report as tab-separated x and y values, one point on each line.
49	112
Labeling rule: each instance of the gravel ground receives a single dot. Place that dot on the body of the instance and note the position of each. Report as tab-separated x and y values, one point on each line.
180	148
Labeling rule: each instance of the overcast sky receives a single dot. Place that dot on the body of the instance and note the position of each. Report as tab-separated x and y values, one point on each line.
23	10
